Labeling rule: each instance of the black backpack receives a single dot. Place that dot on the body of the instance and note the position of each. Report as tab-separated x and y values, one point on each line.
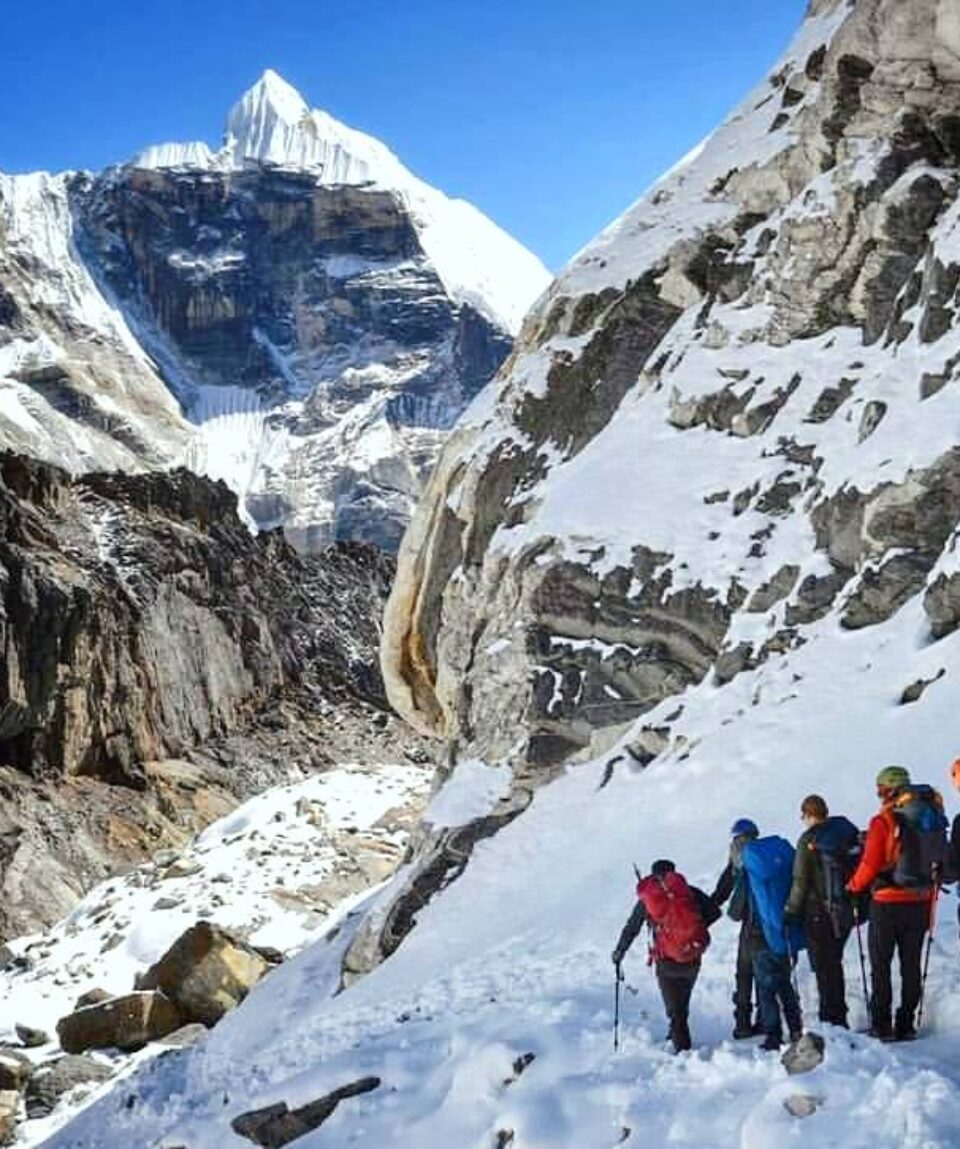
921	837
836	843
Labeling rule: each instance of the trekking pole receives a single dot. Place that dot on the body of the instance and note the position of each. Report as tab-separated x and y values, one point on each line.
926	957
616	1009
863	964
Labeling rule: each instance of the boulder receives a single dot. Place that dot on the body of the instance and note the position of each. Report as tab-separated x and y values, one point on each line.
9	1107
53	1080
206	973
127	1022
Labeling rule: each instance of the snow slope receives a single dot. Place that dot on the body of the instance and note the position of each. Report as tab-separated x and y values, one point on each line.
281	870
272	124
513	959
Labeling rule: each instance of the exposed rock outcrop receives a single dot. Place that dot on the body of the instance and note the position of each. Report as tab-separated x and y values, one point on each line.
720	428
143	625
126	1023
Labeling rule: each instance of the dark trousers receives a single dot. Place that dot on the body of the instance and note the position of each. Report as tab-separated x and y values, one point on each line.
743	990
676	981
826	958
775	989
896	927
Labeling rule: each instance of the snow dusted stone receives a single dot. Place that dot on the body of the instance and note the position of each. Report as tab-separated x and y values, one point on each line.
802	1105
804	1055
206	973
56	1078
127	1023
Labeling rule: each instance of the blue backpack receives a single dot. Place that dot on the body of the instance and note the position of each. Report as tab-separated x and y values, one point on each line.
768	864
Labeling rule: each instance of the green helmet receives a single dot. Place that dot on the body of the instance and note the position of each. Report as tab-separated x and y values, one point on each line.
893	777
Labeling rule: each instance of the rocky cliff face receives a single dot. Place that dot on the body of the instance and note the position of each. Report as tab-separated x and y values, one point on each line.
729	430
158	664
297	315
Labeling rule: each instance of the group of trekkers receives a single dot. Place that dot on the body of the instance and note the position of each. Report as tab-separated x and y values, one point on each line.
812	898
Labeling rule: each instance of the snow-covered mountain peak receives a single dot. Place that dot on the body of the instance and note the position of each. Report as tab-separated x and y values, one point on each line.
272	125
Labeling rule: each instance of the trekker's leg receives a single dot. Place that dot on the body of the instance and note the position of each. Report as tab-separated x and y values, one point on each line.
788	999
915	919
766	969
676	985
881	939
826	957
743	991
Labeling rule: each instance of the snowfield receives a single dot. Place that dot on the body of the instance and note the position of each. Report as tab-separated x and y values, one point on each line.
513	958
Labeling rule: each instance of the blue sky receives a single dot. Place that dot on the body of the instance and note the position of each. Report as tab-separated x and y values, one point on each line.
550	117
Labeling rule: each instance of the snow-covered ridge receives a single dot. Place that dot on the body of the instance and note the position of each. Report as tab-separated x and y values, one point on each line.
272	124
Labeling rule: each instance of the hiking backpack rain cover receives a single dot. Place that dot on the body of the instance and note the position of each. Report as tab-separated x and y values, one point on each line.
768	863
678	930
921	837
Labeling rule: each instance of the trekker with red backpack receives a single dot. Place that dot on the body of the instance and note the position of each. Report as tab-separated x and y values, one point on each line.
903	858
678	915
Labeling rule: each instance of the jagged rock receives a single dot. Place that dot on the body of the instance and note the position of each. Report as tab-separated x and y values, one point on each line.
127	1022
767	596
914	692
882	592
804	1055
56	1078
205	973
15	1069
277	1125
144	624
31	1038
942	605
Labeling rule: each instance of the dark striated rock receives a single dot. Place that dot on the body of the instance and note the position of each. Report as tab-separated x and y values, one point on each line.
277	1125
942	605
882	592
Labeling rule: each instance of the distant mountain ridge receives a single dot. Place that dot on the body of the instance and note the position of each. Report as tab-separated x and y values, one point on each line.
296	313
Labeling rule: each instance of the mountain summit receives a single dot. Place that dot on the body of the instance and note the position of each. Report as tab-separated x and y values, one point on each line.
296	314
272	124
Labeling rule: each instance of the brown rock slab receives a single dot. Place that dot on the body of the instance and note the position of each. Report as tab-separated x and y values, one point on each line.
127	1022
206	973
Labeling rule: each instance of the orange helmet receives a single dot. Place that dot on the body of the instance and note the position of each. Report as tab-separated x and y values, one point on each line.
955	773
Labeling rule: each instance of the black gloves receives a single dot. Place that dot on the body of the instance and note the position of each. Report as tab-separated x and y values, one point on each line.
617	958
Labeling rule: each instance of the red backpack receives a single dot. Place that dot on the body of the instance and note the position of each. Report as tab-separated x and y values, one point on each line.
679	933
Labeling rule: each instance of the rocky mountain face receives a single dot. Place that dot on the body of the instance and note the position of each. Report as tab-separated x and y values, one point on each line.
159	664
728	431
296	314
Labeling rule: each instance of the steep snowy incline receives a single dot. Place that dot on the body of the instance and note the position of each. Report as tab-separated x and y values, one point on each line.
733	416
513	959
272	124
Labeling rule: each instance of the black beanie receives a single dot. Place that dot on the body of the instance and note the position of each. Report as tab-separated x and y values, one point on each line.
662	867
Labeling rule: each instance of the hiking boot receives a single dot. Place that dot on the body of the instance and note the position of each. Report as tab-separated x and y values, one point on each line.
881	1030
904	1030
795	1035
771	1043
745	1029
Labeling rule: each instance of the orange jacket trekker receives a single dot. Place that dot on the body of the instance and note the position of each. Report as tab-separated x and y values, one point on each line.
879	858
